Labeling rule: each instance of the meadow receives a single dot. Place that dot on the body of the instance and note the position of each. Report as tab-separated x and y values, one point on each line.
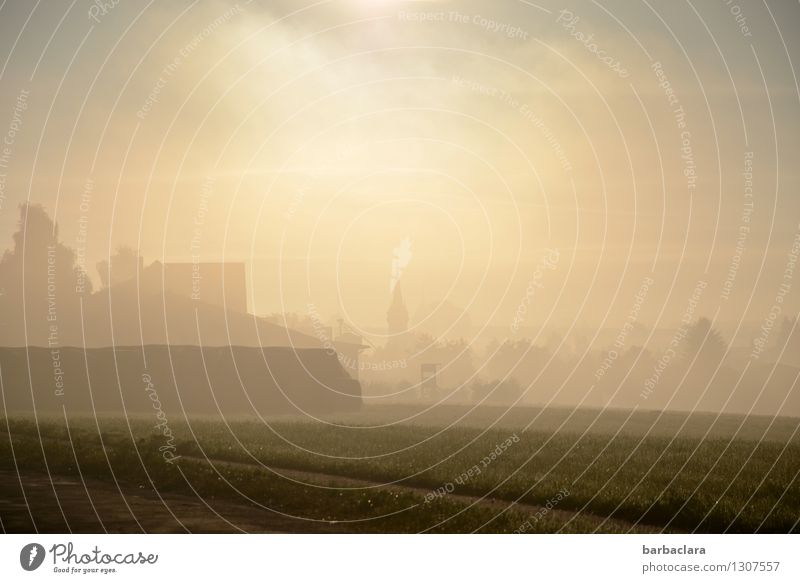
409	469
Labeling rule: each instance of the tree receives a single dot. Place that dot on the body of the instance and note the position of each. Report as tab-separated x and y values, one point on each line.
38	265
40	280
704	343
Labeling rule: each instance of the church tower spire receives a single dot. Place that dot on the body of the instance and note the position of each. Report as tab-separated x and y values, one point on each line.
397	316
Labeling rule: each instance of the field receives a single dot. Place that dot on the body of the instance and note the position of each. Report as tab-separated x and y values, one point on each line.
404	469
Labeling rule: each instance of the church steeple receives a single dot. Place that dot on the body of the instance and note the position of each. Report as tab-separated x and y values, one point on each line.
397	316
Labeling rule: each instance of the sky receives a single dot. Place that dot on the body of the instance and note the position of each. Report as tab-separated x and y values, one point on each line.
539	154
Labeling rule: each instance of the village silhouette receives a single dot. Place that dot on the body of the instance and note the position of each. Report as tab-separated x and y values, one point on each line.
187	325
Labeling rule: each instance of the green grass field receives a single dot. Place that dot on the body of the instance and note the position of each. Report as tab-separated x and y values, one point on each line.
369	472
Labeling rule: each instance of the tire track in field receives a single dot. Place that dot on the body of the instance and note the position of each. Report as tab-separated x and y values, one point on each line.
494	504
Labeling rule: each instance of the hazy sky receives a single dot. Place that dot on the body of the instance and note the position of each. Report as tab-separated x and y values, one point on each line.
311	139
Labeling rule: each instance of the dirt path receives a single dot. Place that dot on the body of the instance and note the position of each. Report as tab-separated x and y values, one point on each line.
494	504
101	507
64	504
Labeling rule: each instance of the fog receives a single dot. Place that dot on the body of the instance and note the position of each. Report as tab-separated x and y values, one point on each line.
522	205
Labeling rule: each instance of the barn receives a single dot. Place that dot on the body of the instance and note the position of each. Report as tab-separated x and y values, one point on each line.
223	381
